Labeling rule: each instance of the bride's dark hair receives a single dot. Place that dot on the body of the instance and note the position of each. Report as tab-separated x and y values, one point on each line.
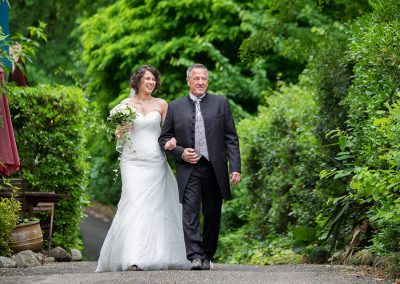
137	76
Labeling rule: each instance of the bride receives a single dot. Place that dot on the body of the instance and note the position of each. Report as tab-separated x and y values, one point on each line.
146	233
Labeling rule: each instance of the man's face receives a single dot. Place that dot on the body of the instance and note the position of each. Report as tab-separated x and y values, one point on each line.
198	81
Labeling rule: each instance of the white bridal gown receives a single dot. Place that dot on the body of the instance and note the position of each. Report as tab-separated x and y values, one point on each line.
147	228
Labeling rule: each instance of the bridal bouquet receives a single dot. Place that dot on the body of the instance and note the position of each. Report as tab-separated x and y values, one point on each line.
121	116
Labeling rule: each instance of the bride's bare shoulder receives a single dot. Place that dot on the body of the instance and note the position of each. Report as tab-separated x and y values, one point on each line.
127	101
162	105
161	102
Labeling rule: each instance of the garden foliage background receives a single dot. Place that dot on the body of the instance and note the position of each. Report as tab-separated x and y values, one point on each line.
314	86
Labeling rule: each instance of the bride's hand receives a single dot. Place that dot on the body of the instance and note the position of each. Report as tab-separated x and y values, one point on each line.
171	144
121	129
118	133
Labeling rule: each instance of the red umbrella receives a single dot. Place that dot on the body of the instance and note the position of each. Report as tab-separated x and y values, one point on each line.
9	160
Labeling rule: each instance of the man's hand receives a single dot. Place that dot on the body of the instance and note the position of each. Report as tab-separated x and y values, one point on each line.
235	177
189	155
171	144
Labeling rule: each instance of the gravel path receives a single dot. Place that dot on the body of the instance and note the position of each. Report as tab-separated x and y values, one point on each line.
82	272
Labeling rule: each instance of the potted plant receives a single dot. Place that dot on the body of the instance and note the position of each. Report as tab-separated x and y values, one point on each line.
27	235
17	231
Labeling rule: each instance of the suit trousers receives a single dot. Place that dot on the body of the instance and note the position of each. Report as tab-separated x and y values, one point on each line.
202	191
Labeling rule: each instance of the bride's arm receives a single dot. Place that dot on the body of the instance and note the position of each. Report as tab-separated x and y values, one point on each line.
170	144
164	109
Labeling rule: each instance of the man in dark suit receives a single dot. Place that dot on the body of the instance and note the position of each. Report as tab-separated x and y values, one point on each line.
206	139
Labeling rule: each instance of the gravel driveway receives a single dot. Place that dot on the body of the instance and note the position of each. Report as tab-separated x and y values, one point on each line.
82	272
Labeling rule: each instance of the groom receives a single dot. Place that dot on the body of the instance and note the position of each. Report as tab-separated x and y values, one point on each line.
206	138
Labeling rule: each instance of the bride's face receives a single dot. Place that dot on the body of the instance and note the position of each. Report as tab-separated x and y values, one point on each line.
147	83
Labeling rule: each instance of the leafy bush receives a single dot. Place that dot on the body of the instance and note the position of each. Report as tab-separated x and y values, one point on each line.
239	247
370	152
393	268
102	186
9	207
284	257
303	237
282	157
317	254
387	237
376	182
52	124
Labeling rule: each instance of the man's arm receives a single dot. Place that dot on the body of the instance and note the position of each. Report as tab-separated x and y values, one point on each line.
167	132
231	141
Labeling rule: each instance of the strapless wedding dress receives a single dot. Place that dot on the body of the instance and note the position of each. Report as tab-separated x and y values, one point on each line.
147	228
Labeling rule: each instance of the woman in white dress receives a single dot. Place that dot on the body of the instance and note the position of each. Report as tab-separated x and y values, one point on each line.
146	233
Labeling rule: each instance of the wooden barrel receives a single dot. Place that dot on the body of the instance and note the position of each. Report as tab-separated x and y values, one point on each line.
27	237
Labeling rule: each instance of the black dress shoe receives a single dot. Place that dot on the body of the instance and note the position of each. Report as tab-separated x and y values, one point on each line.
207	264
134	268
196	264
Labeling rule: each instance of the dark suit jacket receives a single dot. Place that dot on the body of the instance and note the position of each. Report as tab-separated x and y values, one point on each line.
222	139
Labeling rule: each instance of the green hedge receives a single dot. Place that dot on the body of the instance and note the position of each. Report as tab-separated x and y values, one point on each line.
282	157
372	138
51	126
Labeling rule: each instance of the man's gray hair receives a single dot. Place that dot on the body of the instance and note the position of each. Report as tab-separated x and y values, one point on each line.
197	65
